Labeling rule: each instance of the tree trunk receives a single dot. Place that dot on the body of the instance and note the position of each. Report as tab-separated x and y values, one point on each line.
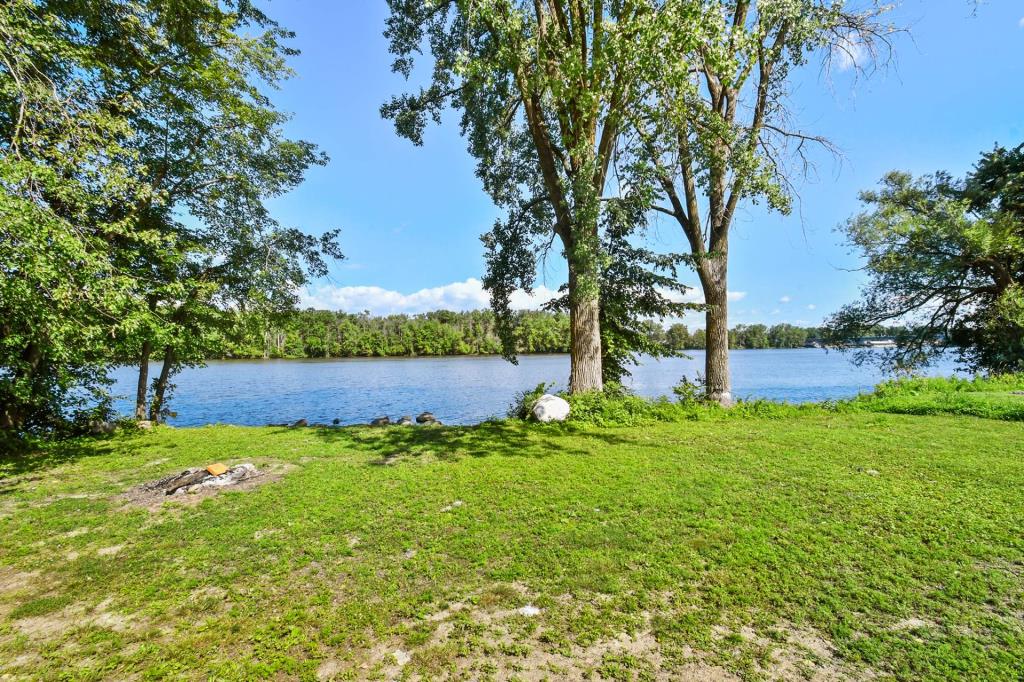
161	385
13	413
585	336
713	276
143	386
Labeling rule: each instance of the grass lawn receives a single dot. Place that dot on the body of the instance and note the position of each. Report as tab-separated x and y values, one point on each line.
822	545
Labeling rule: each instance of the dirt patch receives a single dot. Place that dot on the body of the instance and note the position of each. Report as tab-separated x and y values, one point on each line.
908	624
152	495
483	638
798	653
73	617
23	661
11	583
329	669
14	581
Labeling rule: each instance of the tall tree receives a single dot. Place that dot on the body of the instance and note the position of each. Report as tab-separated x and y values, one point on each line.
544	88
946	258
209	143
64	172
715	130
639	289
137	150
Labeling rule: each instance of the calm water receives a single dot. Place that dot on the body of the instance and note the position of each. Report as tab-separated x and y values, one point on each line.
464	390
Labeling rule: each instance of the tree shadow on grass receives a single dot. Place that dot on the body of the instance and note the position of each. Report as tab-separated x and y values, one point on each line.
450	443
18	466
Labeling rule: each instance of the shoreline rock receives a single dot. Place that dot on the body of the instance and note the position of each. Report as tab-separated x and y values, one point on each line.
550	408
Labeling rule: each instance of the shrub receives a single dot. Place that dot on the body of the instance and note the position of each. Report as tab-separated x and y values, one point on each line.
691	392
988	397
522	406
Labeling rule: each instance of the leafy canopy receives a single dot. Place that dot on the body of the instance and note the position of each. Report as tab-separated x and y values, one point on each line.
946	256
545	91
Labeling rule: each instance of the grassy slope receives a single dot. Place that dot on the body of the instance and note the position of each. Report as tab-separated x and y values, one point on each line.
896	539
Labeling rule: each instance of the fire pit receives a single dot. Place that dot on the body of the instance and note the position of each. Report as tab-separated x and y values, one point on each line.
194	485
196	480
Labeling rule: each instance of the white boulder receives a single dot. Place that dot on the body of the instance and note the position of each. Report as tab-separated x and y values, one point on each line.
550	408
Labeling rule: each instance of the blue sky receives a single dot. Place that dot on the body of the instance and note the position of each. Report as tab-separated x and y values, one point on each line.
411	216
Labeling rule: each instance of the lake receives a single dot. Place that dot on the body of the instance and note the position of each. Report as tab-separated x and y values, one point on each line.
465	390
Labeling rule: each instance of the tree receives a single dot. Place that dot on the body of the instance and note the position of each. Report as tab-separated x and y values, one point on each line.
787	336
677	336
117	120
752	336
946	258
639	288
544	89
64	174
715	129
209	144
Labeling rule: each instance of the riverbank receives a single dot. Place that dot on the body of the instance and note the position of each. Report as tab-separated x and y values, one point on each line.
815	543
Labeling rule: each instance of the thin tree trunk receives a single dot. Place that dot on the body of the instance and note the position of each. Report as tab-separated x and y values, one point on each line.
713	275
161	385
12	414
585	337
143	386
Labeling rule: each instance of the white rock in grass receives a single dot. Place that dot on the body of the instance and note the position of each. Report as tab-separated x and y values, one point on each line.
401	658
529	611
550	408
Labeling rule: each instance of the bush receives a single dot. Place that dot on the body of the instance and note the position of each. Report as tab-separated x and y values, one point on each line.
988	397
522	406
615	408
691	392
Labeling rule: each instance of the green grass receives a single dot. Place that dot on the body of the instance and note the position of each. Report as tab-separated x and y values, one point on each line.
992	398
828	542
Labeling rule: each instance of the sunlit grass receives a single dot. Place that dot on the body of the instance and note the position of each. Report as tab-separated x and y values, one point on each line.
845	543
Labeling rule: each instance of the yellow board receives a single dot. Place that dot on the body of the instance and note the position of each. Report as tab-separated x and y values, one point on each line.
216	469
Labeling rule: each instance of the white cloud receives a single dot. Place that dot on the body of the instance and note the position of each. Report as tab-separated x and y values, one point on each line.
775	311
812	307
849	52
467	295
785	299
694	295
1021	22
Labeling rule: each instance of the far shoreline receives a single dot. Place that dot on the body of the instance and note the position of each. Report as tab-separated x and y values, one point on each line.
683	354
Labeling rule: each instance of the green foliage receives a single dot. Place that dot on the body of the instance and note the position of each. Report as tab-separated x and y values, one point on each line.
690	392
329	334
65	169
521	407
117	120
999	398
945	257
996	397
614	408
545	91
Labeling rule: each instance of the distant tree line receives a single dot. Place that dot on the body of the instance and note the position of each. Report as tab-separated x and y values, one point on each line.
327	334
